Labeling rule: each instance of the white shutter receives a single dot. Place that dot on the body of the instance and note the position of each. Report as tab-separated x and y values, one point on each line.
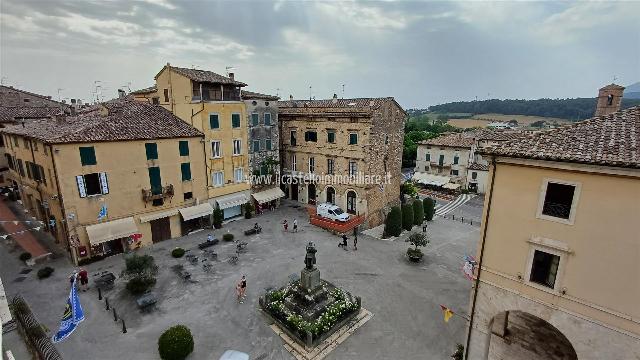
81	188
104	183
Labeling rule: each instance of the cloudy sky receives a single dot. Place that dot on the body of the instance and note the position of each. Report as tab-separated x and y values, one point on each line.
422	53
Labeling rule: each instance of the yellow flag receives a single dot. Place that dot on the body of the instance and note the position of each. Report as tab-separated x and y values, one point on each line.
447	313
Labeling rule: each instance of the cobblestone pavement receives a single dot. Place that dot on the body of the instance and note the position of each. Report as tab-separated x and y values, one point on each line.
403	297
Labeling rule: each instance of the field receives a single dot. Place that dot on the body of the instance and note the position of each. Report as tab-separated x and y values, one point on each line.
482	120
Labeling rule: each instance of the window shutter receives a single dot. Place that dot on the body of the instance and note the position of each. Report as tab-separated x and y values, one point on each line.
155	181
186	171
104	184
87	155
81	188
184	148
213	121
152	151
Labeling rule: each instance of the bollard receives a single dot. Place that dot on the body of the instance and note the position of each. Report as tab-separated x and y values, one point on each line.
124	327
99	294
115	316
462	219
106	301
471	221
453	217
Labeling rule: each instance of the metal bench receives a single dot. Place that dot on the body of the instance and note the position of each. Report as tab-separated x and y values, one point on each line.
253	230
147	301
208	243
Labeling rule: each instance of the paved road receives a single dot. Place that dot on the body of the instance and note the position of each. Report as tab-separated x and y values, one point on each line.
403	297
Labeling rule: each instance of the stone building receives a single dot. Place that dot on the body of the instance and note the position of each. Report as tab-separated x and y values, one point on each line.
264	147
343	151
557	274
117	176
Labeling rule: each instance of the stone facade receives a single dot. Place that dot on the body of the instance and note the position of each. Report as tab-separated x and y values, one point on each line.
324	133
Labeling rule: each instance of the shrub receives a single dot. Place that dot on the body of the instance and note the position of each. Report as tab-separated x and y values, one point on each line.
45	272
418	239
418	212
218	217
407	217
409	189
248	210
459	354
429	208
227	237
140	284
177	252
141	271
176	343
393	223
25	256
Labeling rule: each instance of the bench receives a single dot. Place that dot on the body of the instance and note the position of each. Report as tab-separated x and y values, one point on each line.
146	301
207	244
253	230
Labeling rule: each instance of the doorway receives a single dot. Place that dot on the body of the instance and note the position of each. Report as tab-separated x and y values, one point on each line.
331	195
351	202
294	192
160	230
311	193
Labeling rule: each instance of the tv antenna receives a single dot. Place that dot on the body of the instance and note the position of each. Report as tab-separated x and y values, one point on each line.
227	68
614	79
2	80
343	91
59	91
278	92
309	92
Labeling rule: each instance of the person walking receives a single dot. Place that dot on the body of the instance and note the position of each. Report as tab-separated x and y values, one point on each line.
285	225
242	289
83	275
344	242
295	225
355	241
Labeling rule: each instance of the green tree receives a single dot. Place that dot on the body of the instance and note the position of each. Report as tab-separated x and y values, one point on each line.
429	208
140	270
218	217
176	343
393	223
407	217
248	210
418	212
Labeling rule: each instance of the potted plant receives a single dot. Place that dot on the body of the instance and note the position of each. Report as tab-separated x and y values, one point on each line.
218	217
417	240
248	210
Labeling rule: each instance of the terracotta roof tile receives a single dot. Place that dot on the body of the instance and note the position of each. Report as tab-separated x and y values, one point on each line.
479	167
206	76
464	140
611	140
249	95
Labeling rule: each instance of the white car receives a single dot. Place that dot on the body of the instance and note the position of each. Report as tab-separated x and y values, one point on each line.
234	355
332	212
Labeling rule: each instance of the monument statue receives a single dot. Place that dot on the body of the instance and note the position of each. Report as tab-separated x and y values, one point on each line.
310	258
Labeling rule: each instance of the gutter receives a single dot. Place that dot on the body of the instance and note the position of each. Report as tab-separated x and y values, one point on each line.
484	238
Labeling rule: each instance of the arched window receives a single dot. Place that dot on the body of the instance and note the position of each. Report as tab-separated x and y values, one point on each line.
351	202
331	195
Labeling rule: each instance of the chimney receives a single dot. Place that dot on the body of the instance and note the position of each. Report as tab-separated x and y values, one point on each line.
335	98
609	99
291	97
231	76
121	93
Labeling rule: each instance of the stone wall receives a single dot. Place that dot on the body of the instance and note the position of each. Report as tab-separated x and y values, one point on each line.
261	133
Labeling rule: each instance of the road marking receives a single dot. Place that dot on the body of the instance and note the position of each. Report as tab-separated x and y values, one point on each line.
445	209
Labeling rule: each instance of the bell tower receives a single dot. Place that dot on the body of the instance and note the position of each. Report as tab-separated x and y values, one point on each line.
609	99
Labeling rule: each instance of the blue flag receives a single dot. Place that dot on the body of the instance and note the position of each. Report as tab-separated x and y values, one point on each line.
72	316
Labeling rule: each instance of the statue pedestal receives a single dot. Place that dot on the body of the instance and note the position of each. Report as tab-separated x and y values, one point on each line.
310	279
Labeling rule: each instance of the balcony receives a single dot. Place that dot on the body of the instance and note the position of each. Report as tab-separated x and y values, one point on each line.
210	92
153	195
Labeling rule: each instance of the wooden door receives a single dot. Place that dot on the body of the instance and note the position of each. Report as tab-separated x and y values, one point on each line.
160	230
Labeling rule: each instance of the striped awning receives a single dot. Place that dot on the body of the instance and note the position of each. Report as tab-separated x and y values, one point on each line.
268	195
197	211
111	230
429	179
158	215
225	202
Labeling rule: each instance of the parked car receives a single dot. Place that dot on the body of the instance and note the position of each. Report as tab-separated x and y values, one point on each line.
332	212
234	355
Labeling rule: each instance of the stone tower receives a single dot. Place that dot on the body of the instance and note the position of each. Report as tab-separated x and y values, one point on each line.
609	98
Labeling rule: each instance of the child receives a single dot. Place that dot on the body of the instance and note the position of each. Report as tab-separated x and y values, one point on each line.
285	225
295	225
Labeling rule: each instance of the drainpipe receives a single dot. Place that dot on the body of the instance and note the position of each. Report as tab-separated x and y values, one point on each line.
38	183
65	226
204	143
484	237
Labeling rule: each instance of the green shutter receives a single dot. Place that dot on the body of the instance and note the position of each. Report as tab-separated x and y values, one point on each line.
254	119
268	144
214	122
152	150
235	120
353	139
186	171
428	158
87	155
267	119
331	137
256	145
155	180
184	148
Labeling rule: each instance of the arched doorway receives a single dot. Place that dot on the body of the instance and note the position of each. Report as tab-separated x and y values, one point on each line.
311	193
331	195
351	202
520	335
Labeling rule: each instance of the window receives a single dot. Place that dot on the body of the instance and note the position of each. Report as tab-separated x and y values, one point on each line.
558	200
28	166
20	167
254	119
456	159
351	202
183	146
152	151
15	141
215	149
312	164
235	120
294	164
386	139
188	195
256	145
35	145
331	136
267	143
214	121
238	175
44	148
87	155
441	160
311	135
26	100
353	168
331	195
92	184
474	175
454	172
185	168
26	143
237	147
544	268
166	95
267	119
155	180
330	165
155	100
427	157
292	138
353	139
218	178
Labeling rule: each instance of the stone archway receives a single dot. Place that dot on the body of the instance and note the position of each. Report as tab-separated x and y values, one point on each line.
351	202
520	335
330	194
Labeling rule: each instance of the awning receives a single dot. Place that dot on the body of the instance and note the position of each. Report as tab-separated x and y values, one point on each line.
197	211
451	186
268	195
158	215
111	230
428	179
225	202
